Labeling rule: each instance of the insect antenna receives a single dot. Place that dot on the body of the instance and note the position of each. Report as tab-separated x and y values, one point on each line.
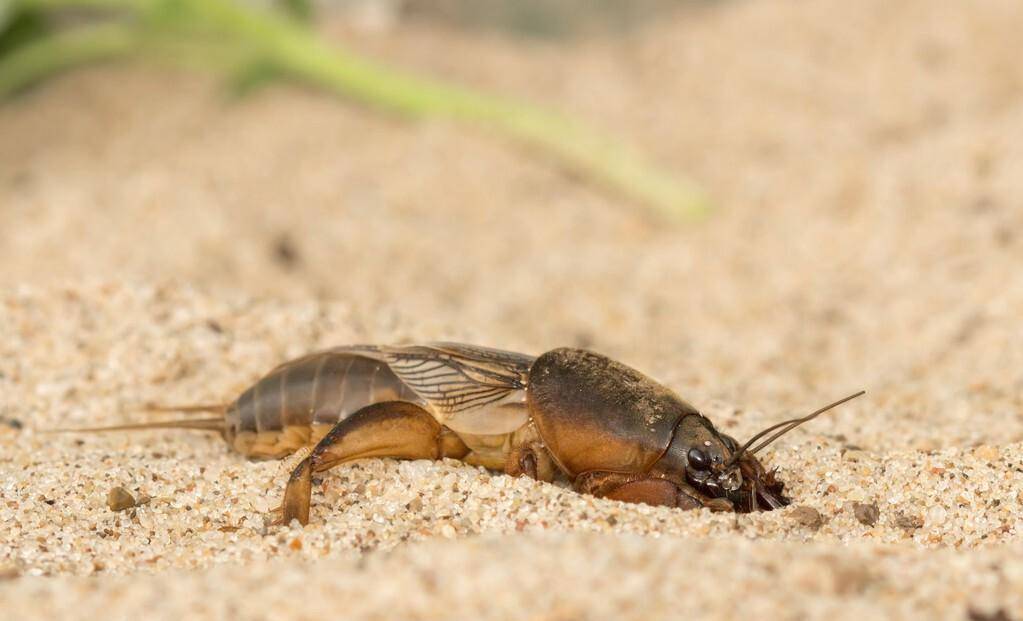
202	424
209	408
785	426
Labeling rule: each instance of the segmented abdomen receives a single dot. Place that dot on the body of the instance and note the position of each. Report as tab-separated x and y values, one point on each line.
302	399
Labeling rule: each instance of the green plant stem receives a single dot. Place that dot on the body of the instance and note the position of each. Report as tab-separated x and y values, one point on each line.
292	50
577	147
59	52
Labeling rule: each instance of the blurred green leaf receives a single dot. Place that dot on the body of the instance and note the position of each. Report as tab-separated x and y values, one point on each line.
19	26
40	58
253	76
301	10
253	46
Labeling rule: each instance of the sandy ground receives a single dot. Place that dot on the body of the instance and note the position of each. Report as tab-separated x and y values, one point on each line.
159	242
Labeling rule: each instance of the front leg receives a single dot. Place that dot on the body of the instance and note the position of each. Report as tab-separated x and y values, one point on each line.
646	489
391	429
529	457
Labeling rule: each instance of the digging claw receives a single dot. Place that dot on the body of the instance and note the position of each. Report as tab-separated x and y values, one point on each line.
719	505
297	494
277	513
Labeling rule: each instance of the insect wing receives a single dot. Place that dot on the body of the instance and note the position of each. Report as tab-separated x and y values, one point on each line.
471	389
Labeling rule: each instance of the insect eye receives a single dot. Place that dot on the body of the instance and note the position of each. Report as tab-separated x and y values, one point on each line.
698	459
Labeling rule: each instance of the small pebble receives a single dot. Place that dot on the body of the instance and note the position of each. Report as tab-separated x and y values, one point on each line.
936	515
119	499
866	513
806	516
909	521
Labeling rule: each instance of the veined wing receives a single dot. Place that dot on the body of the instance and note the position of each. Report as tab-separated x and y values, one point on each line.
470	389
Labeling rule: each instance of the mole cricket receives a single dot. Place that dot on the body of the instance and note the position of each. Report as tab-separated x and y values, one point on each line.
612	431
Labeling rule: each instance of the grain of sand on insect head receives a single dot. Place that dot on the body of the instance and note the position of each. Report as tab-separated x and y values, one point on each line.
866	163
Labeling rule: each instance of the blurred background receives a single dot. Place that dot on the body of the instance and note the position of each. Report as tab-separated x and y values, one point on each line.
752	199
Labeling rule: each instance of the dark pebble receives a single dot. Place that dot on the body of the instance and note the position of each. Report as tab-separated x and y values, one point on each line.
119	499
866	514
806	516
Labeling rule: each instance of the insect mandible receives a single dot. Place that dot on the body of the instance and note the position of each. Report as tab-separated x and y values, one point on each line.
612	431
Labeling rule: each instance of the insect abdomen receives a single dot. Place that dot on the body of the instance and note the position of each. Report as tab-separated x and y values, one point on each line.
300	400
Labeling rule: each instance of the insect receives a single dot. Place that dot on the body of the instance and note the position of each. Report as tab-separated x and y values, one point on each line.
612	431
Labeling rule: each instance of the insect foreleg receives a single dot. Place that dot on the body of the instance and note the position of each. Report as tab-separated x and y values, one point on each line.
391	429
527	456
647	489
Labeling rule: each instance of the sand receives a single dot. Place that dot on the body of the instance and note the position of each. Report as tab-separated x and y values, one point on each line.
162	244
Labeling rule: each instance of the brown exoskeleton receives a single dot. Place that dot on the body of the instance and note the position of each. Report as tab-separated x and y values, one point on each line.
611	430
